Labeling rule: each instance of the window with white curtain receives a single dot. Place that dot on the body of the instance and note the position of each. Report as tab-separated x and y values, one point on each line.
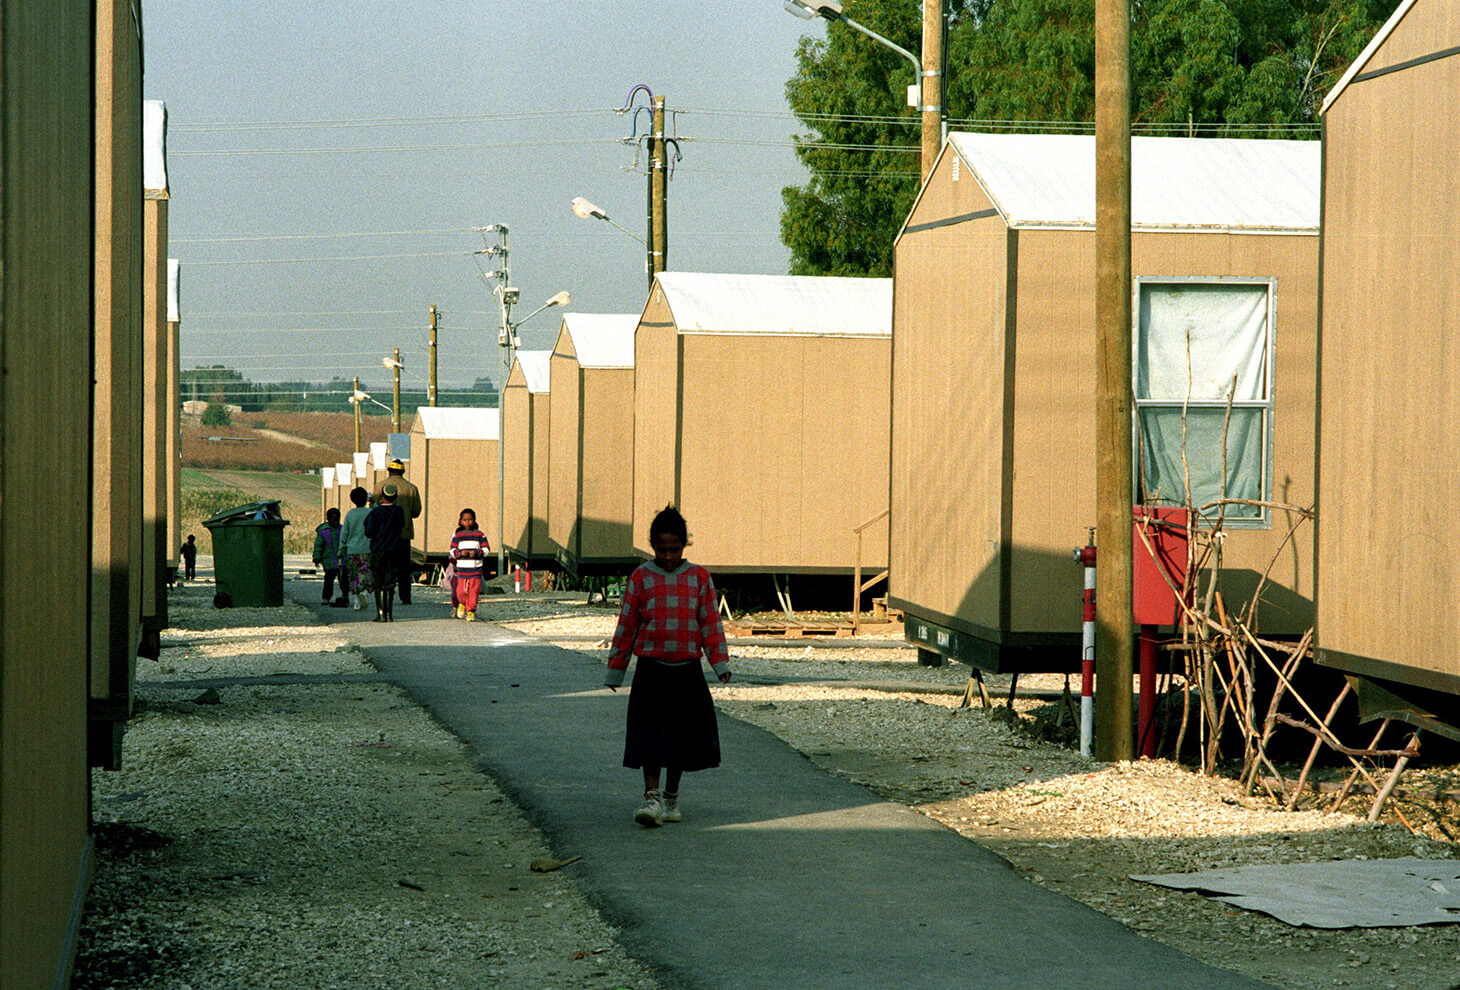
1201	346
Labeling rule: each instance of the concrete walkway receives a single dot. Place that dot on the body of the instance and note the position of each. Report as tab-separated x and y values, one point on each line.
780	875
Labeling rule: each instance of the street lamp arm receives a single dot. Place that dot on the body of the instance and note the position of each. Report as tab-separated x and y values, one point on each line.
831	10
355	400
588	211
916	65
561	299
610	220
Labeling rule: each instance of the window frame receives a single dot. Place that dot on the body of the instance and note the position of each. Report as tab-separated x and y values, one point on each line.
1266	405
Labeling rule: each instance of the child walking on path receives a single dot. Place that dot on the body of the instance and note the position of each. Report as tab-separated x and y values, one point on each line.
356	546
669	617
329	554
468	548
190	557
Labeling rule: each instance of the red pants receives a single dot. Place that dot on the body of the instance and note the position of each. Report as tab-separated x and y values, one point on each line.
467	590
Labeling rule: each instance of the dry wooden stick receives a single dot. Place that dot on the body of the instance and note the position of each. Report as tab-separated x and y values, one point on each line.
1317	743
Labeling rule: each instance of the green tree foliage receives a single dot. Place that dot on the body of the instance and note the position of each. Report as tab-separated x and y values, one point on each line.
217	414
1209	67
864	171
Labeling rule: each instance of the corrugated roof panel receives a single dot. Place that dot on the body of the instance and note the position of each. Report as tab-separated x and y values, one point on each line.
1189	183
535	365
778	304
602	340
452	423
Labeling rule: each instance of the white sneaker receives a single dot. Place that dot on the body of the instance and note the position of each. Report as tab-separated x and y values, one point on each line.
671	809
651	815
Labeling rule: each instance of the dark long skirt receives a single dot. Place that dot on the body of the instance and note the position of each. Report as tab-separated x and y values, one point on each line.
671	718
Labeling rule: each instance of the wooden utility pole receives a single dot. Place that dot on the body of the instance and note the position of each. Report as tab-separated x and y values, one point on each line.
355	401
431	387
1114	641
930	98
395	403
658	194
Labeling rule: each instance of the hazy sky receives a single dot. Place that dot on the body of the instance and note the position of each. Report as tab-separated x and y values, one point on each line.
328	160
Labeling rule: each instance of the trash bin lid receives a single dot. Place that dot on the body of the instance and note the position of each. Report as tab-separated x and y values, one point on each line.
241	513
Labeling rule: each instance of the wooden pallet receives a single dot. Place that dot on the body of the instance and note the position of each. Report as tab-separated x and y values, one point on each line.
787	630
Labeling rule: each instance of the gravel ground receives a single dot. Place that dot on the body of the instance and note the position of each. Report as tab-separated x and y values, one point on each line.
330	834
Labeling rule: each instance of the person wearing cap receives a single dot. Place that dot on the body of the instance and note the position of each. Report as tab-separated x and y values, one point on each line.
408	497
383	527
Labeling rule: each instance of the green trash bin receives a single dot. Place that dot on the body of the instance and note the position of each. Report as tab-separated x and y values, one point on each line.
248	554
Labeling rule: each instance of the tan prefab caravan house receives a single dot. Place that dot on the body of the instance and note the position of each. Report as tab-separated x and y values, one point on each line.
52	101
454	464
525	425
591	445
328	490
993	390
1388	553
761	410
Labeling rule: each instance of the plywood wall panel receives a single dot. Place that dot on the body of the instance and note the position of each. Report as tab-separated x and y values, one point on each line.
947	415
517	454
1390	395
564	452
657	397
117	404
606	498
46	319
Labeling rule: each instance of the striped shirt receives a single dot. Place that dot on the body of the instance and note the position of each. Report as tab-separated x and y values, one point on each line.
668	616
468	547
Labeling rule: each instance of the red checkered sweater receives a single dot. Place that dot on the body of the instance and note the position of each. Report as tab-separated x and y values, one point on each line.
670	617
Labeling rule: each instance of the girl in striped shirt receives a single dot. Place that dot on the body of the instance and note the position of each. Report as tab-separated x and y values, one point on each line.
468	549
669	617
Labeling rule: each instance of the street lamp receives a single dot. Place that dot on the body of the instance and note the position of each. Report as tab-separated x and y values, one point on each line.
582	208
586	210
933	136
358	397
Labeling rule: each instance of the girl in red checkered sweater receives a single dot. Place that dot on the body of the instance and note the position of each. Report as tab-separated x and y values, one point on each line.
669	617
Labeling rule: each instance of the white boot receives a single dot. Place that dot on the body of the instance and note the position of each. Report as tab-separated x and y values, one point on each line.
359	600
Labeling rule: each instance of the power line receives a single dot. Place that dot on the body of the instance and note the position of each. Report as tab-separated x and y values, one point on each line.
386	329
385	149
308	261
327	312
306	237
482	118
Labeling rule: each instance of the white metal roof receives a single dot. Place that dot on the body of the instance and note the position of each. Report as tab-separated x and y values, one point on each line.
535	365
154	145
448	423
778	304
602	340
1048	180
1369	51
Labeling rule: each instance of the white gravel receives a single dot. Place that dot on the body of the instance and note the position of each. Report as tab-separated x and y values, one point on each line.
297	821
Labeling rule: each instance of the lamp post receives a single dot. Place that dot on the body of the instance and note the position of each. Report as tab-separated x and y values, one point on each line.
929	87
507	297
395	389
431	385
